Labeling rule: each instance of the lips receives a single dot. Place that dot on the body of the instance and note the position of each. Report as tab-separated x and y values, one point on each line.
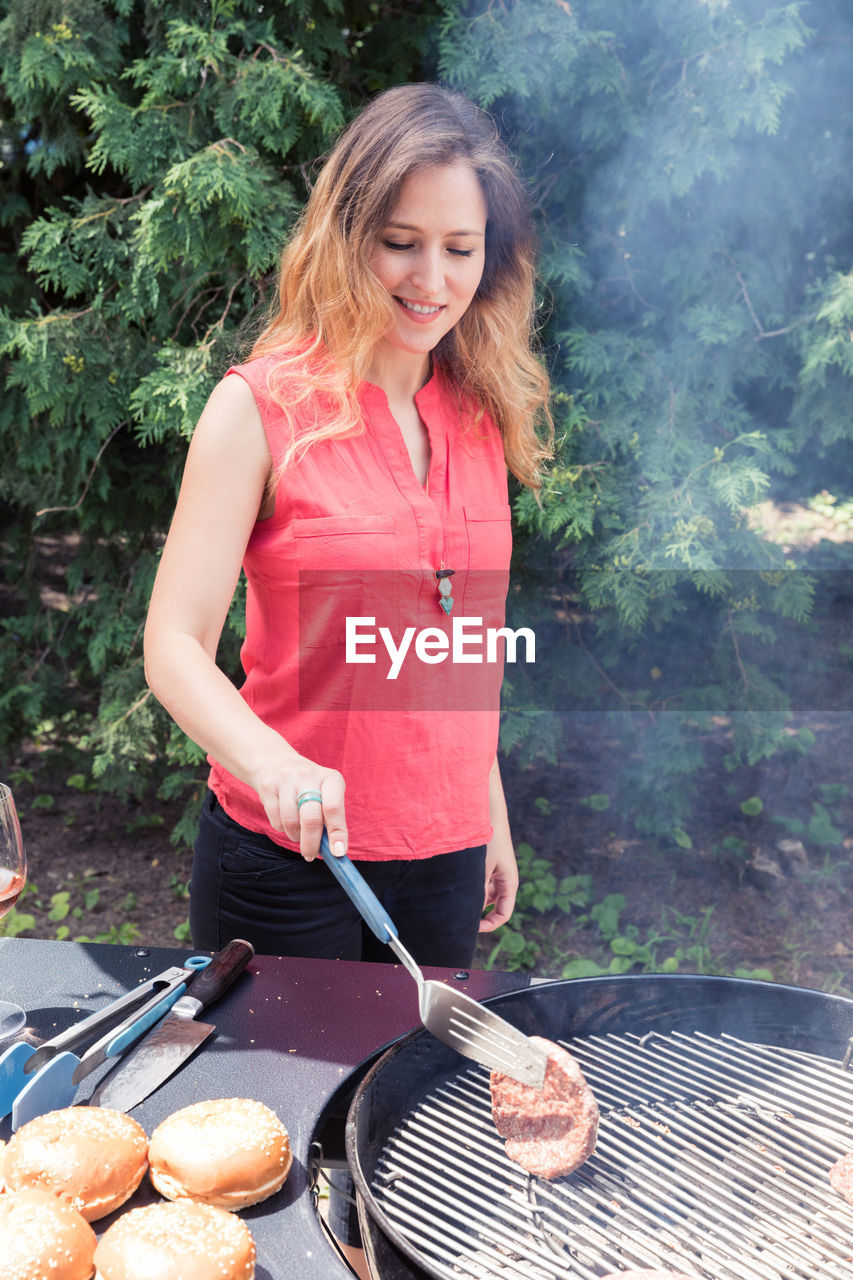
422	311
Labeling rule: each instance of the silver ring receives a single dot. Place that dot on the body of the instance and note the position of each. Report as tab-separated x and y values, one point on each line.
305	797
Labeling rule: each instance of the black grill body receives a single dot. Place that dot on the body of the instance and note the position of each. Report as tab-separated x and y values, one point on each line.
748	1075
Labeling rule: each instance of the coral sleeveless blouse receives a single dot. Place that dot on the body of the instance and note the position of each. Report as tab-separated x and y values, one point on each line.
351	550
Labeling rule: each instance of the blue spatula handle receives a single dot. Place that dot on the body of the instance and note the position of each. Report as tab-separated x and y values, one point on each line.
347	874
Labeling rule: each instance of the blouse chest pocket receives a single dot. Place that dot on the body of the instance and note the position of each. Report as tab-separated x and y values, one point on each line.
489	530
346	569
347	542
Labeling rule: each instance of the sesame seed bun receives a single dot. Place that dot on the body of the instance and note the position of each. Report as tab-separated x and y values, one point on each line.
93	1157
176	1242
228	1152
43	1236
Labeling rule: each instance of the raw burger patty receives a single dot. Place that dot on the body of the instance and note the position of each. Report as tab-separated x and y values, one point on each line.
548	1131
841	1177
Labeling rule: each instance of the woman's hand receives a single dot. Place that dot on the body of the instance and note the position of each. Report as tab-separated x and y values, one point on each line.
501	867
300	798
501	882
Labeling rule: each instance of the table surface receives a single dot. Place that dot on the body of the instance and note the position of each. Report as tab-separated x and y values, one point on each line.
290	1032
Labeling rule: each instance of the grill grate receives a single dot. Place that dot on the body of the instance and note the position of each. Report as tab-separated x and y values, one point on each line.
712	1160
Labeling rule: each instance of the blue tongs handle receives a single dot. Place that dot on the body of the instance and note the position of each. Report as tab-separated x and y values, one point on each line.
123	1036
347	874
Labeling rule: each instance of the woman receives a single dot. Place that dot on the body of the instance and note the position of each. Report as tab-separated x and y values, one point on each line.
358	461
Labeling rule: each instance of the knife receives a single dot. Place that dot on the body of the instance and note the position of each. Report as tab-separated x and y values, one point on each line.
161	1052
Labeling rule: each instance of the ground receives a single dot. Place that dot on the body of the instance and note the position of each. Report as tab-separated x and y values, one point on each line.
766	893
750	897
124	880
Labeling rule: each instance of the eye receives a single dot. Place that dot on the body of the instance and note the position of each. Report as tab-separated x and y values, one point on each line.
462	253
396	245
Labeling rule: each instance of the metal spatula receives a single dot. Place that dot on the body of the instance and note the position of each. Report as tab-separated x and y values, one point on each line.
451	1016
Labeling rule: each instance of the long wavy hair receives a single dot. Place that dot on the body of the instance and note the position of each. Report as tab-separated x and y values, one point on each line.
331	310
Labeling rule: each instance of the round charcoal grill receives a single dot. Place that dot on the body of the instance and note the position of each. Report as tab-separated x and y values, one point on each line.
723	1105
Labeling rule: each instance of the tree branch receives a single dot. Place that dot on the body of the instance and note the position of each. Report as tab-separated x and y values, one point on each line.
744	677
46	511
760	332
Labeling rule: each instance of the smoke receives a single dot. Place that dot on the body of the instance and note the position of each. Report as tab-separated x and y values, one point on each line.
690	165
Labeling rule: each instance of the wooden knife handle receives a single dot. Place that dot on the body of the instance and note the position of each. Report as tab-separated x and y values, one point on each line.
210	983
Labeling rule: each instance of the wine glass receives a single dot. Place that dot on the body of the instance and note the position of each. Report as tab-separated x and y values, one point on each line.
13	877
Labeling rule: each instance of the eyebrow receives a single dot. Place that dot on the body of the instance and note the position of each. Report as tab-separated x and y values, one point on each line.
407	226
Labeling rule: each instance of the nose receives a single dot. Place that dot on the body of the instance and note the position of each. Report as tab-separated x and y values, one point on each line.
427	273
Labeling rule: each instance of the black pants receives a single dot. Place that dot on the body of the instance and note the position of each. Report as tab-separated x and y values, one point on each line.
246	886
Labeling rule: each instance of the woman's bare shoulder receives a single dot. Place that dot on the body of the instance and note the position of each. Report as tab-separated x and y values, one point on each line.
230	417
235	392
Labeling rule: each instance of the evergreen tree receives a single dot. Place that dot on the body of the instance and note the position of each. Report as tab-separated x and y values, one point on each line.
155	153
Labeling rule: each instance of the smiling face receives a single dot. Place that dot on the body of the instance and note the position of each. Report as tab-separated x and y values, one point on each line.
430	257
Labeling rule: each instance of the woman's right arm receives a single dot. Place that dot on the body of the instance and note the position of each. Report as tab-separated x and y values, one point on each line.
222	492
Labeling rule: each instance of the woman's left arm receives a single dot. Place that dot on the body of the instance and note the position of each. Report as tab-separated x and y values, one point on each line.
501	868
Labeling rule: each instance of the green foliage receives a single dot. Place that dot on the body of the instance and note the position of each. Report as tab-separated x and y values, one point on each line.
179	887
599	803
839	513
819	829
60	915
120	935
523	942
560	929
17	922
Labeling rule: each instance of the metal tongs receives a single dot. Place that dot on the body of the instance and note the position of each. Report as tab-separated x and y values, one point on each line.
451	1016
33	1080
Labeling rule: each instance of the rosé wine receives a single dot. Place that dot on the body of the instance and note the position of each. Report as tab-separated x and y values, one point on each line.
11	884
13	877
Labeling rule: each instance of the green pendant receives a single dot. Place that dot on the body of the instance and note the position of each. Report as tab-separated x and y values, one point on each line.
445	599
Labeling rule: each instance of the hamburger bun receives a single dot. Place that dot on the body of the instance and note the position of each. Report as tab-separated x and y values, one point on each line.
92	1157
228	1152
43	1236
176	1242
